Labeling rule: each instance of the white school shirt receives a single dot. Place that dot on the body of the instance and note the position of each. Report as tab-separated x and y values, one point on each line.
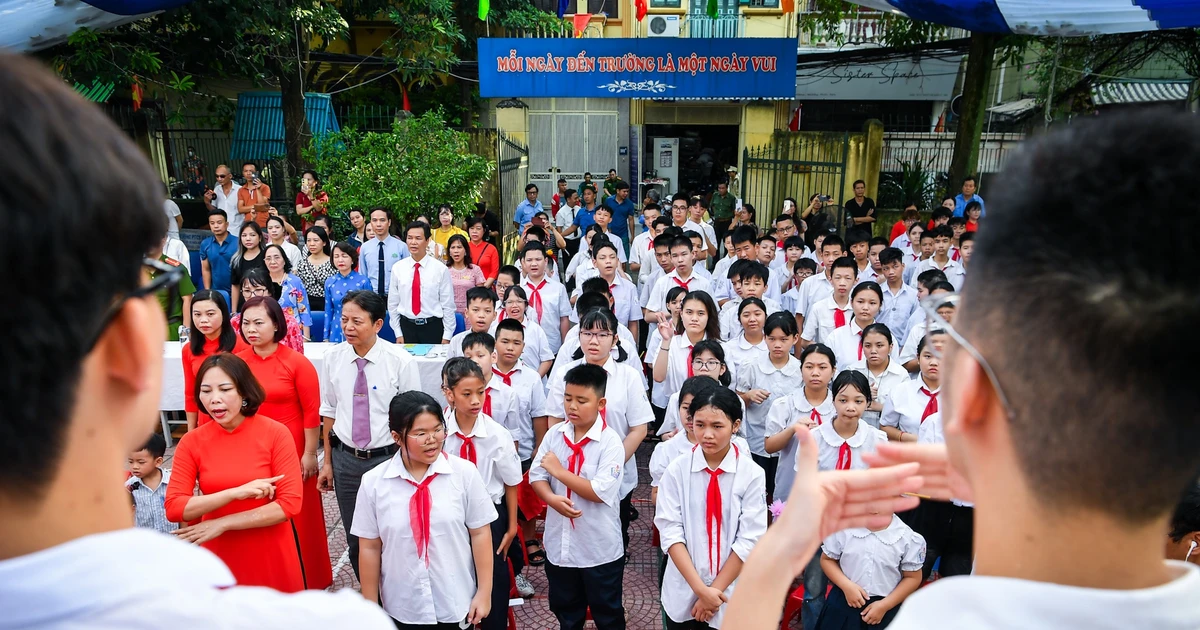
931	433
566	354
896	310
902	242
721	269
437	294
580	264
995	603
555	306
505	407
537	346
954	271
647	280
657	301
679	353
775	281
410	591
669	450
784	413
815	288
530	396
594	538
390	371
739	350
135	579
874	560
864	440
228	203
495	456
626	406
893	376
641	244
846	343
731	324
904	407
869	275
564	218
625	301
789	300
681	514
671	420
760	373
819	323
551	269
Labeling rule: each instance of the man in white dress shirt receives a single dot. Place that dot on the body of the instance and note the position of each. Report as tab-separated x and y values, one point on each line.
87	391
224	197
359	379
421	298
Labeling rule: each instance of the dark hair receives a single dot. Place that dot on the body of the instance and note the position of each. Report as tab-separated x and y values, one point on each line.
385	211
530	187
369	301
722	399
854	237
484	294
794	241
925	234
681	241
156	445
755	269
479	339
736	268
459	368
868	285
696	385
679	196
819	348
743	234
713	346
925	341
880	329
462	240
972	205
603	242
942	213
516	290
968	178
712	328
602	319
944	285
662	221
691	234
666	238
315	177
782	321
274	313
891	255
358	210
511	271
217	212
321	234
587	375
418	225
251	164
621	185
533	247
511	325
930	277
346	248
236	263
751	301
857	182
260	277
279	219
247	386
833	240
589	300
287	263
910	212
784	217
1186	518
805	263
852	378
227	339
967	236
596	285
845	262
405	407
765	238
956	222
472	221
877	240
673	293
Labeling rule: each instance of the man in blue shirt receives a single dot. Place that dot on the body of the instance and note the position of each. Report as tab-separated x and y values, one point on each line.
216	252
623	212
967	196
377	256
526	209
585	215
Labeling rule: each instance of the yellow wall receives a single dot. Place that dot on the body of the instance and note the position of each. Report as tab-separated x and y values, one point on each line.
512	121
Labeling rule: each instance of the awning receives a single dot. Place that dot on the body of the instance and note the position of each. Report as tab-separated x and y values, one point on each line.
99	92
1127	92
35	24
1014	108
1054	18
258	124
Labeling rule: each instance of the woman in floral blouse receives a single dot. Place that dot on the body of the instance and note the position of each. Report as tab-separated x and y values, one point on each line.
257	283
292	296
344	280
463	275
316	266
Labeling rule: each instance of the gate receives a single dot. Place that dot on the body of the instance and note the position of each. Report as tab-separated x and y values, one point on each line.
513	166
796	165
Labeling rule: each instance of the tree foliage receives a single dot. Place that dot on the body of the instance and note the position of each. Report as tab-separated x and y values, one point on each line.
420	164
826	18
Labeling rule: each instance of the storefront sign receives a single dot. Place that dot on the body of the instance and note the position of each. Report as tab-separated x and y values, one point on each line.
923	79
658	68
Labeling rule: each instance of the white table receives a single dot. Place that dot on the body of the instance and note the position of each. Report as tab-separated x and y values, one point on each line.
173	395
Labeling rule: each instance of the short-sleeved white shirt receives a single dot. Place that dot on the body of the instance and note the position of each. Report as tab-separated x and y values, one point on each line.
864	440
495	453
658	295
739	350
819	323
786	411
874	559
555	306
762	374
903	409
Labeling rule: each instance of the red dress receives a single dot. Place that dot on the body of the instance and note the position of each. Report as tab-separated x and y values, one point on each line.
487	258
259	448
191	366
294	400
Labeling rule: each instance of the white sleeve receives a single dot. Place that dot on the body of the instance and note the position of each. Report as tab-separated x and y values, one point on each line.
658	464
810	327
408	376
638	410
654	303
536	472
607	482
394	301
508	463
446	298
671	416
913	558
752	522
366	524
890	416
745	378
328	392
554	397
833	546
668	510
779	415
909	351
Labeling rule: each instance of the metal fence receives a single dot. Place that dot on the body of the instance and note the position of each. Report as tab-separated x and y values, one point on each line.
377	118
796	165
699	25
513	168
932	153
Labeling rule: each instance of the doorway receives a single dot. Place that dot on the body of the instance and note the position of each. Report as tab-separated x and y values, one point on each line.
705	151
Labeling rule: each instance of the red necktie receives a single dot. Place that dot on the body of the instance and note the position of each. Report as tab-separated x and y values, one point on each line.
713	512
487	401
575	461
956	255
649	244
843	461
931	407
683	283
815	415
467	450
859	344
506	377
418	516
416	293
839	317
691	370
535	298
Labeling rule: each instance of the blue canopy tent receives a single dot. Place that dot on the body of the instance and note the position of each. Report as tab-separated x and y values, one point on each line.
1054	18
258	124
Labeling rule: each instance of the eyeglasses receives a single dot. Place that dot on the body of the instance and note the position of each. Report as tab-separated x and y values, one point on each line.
423	436
220	176
935	322
515	302
588	335
257	292
162	277
708	366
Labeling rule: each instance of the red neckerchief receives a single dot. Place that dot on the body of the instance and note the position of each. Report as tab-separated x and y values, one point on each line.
535	297
843	460
714	511
683	283
467	450
419	507
816	415
487	401
506	376
575	461
839	317
931	407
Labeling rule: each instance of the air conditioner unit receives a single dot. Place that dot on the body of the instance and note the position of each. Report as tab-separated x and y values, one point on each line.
663	26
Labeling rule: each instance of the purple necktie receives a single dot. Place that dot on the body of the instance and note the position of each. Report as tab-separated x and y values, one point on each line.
361	429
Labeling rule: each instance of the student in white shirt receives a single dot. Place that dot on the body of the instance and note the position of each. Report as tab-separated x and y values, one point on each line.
526	383
651	271
922	253
683	276
581	266
565	218
710	511
500	401
479	316
763	381
547	297
847	341
721	268
751	343
429	319
899	299
833	312
881	367
473	435
619	288
577	472
644	241
792	250
913	402
799	411
948	527
626	411
595	296
673	355
873	570
941	259
654	340
750	280
802	270
681	441
908	354
820	286
537	353
744	241
708	359
424	518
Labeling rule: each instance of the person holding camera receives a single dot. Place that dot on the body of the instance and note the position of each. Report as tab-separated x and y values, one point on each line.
254	197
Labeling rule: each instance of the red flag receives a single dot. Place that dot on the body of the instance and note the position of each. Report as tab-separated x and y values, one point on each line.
789	6
407	107
642	8
941	123
581	21
137	95
794	123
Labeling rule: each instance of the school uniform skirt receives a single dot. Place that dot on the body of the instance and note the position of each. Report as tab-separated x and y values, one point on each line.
838	615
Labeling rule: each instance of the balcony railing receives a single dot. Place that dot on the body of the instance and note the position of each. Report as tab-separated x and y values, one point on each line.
866	27
699	25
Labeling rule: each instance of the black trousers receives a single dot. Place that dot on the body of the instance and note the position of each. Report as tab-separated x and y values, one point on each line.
436	626
949	532
629	514
573	591
497	618
690	624
838	615
347	477
428	332
768	465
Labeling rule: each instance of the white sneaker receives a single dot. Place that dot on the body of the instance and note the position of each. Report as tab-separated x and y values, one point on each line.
524	588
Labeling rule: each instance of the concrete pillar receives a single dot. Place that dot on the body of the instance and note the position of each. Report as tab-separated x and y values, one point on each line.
513	122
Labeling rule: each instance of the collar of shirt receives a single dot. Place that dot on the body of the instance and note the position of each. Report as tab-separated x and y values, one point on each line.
479	430
791	368
729	464
919	382
396	468
372	355
830	435
593	434
745	344
800	402
889	535
904	288
893	367
166	479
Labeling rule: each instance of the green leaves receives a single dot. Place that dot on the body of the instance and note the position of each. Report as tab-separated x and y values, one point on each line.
419	164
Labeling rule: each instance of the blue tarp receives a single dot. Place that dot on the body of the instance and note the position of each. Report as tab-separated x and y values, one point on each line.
258	124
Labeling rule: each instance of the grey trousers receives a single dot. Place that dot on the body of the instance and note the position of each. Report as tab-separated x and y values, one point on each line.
347	476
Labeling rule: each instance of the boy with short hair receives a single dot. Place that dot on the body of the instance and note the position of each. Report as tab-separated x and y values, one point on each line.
683	258
819	286
802	270
547	296
644	242
500	401
941	216
958	225
751	283
577	472
966	245
856	242
924	252
874	246
481	313
699	252
941	259
899	299
833	312
721	269
661	267
148	485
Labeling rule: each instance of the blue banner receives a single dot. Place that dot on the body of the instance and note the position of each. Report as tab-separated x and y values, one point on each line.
659	67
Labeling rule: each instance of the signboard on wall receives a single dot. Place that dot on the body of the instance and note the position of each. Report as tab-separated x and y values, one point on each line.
922	79
660	68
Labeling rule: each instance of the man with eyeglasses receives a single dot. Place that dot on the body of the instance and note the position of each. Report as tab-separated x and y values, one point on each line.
83	357
225	197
